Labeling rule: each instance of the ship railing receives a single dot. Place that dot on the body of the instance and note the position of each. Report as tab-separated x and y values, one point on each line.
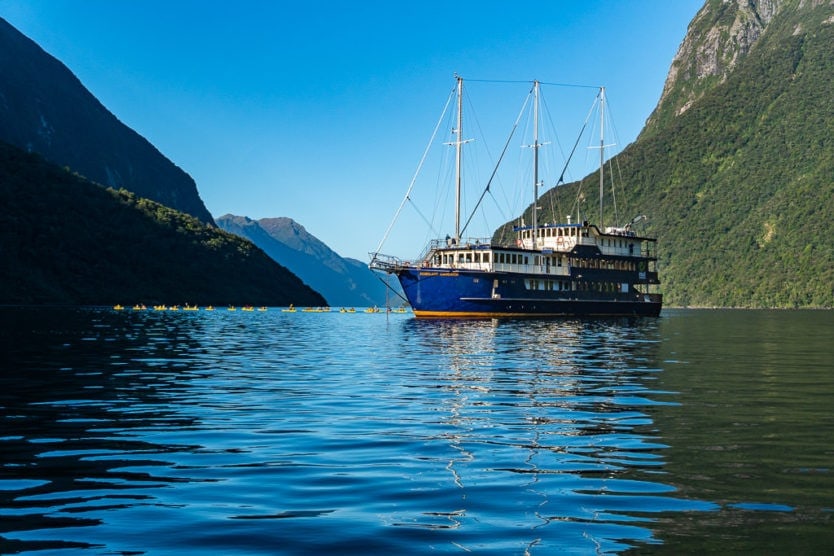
449	243
465	243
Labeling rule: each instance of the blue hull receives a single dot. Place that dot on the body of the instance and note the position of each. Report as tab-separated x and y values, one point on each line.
467	293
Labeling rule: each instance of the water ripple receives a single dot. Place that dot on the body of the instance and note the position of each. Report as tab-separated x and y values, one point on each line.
263	433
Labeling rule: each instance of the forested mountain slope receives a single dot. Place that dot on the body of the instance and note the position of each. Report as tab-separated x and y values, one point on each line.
735	169
66	240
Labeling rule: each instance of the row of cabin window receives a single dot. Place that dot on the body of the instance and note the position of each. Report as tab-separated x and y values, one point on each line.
555	232
571	232
604	264
516	258
477	257
568	285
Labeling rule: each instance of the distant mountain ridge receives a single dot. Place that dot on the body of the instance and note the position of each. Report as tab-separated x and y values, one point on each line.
342	281
44	108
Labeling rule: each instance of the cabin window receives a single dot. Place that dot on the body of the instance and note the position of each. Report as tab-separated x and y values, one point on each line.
486	257
469	257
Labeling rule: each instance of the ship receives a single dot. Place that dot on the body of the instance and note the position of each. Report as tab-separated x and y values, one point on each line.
574	268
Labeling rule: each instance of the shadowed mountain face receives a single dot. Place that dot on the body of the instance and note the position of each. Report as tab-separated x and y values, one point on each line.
343	282
66	240
45	109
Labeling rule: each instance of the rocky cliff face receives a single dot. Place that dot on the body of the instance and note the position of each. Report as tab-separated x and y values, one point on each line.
44	108
718	38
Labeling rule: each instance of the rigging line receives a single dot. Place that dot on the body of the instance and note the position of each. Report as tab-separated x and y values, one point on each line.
499	208
576	144
426	220
498	80
573	85
615	161
416	172
497	164
387	285
612	181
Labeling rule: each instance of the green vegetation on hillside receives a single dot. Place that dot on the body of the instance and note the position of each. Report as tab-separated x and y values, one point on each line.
739	189
66	240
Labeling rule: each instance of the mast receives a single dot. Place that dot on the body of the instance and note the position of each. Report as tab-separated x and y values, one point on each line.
535	162
601	149
458	145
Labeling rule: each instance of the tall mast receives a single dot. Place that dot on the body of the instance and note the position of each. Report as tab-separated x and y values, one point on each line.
535	162
601	149
458	145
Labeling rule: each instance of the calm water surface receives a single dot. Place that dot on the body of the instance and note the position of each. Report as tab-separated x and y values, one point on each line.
295	433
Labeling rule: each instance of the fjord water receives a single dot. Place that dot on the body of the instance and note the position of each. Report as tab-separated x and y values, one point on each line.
294	433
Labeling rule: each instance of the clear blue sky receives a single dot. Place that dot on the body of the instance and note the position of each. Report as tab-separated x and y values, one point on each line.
320	110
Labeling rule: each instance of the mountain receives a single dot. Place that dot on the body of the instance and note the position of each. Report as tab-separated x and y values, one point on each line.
66	240
734	167
718	38
342	281
44	108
